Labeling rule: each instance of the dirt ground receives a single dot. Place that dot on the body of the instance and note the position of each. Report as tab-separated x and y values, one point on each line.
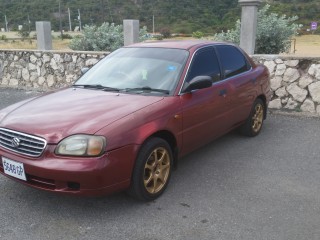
13	41
306	45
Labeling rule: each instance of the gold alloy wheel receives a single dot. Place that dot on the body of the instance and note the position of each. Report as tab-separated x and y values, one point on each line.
257	118
156	170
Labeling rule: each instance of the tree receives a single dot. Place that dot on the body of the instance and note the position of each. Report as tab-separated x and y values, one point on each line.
273	32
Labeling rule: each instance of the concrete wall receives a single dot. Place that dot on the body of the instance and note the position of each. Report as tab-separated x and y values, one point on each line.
295	81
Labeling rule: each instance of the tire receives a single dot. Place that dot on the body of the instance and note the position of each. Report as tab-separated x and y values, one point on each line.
152	170
254	122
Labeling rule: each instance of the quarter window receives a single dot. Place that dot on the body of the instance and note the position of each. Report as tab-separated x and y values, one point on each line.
232	60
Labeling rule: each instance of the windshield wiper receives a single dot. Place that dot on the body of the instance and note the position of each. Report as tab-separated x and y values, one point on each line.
96	86
147	89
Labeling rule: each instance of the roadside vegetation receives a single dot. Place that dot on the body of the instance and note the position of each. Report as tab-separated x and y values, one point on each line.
107	37
273	32
13	40
307	45
184	16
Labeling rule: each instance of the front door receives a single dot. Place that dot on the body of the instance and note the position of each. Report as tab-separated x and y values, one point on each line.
205	115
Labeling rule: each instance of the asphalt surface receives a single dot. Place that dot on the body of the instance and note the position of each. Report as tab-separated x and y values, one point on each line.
265	187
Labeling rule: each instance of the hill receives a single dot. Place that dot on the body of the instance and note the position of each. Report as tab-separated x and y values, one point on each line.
184	16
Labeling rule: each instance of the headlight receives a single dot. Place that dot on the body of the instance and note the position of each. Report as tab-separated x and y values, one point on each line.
81	145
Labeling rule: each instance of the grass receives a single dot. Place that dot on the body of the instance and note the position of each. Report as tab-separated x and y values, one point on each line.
308	45
17	43
57	44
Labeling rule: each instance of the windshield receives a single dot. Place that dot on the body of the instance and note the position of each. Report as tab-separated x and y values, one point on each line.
138	69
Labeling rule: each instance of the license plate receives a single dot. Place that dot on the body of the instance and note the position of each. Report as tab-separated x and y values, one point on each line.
14	169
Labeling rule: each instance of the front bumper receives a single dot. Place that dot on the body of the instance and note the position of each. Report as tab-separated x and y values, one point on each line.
74	175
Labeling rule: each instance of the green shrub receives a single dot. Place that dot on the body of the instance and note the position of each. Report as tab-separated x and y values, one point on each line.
198	34
24	32
66	36
273	32
143	34
159	37
165	32
107	37
232	35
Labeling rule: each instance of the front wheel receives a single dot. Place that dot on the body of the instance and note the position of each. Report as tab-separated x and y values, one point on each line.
152	170
254	122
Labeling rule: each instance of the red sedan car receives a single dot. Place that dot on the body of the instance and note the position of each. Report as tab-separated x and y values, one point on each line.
125	123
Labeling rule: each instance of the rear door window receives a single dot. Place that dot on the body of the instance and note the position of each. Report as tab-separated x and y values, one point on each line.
232	60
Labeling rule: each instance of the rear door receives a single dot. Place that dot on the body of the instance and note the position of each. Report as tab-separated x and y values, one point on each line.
237	73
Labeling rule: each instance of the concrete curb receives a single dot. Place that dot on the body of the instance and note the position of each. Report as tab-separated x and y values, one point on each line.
293	114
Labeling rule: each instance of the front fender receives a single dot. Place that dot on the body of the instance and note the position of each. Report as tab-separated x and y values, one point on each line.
138	126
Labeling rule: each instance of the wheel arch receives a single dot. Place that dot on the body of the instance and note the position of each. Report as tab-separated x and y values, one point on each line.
171	140
264	100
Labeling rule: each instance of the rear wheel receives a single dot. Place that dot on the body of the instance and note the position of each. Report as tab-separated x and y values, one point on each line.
152	170
254	122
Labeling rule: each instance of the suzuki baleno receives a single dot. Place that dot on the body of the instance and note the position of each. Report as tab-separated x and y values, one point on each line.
124	123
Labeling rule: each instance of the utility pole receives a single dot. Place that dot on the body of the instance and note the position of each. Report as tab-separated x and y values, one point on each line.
60	20
6	22
102	10
153	24
79	19
110	12
70	26
29	23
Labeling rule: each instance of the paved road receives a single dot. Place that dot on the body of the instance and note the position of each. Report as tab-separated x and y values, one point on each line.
234	188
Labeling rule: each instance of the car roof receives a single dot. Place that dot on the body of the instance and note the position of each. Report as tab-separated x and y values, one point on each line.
180	44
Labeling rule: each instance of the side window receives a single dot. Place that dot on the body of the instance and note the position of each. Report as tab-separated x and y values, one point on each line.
232	60
204	63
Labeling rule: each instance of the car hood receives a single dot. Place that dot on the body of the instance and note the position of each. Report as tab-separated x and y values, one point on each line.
72	111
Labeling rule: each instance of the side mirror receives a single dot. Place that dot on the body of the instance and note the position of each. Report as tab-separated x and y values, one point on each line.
84	70
198	82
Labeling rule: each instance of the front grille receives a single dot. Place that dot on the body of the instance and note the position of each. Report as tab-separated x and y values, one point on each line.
22	143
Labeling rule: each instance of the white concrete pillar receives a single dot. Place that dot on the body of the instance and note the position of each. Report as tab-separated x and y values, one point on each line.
130	31
44	38
249	19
